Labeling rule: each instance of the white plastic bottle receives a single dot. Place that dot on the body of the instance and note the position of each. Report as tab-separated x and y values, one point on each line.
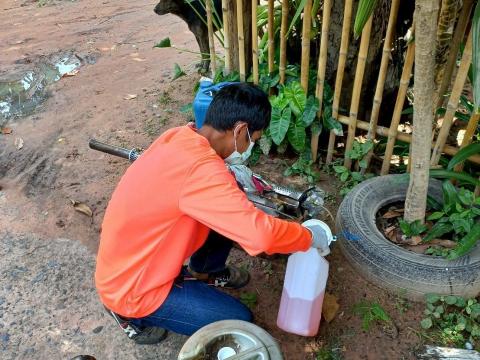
303	291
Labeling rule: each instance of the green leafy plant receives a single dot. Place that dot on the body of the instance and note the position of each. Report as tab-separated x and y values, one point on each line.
453	319
303	167
349	178
414	228
329	354
249	299
359	152
177	72
370	312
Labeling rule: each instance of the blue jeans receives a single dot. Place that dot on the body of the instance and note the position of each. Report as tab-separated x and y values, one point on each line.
192	304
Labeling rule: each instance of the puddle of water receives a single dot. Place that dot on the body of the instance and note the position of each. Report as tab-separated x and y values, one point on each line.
22	92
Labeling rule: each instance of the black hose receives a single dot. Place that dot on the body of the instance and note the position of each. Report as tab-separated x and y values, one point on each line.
130	154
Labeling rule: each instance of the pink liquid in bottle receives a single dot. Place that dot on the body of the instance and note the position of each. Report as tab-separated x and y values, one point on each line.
303	291
300	316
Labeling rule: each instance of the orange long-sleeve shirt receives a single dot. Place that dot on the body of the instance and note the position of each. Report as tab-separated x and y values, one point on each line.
160	214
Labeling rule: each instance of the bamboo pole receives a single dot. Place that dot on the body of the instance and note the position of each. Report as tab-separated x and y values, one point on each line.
306	28
342	58
377	100
283	41
241	40
453	101
322	65
357	87
477	190
254	42
213	64
226	43
384	131
397	112
467	137
271	37
463	20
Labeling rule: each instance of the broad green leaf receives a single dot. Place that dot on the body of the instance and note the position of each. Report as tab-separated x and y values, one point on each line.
476	57
279	101
475	310
297	136
449	194
311	109
344	176
363	164
438	230
426	323
466	243
357	176
340	169
364	11
432	298
279	124
334	125
446	174
436	215
178	72
450	299
379	312
164	43
463	154
296	17
296	97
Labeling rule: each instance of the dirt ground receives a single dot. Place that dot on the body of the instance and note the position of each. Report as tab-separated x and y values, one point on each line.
125	96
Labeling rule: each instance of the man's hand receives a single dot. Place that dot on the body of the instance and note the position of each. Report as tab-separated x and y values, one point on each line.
321	235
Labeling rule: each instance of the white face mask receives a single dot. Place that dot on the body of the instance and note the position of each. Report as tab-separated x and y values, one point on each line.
235	158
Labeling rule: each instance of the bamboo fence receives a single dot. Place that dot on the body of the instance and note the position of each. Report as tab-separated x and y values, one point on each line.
322	66
352	121
211	43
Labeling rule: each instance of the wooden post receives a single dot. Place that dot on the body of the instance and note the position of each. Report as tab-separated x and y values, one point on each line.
211	43
467	137
357	87
322	65
226	36
347	19
377	101
307	25
283	41
453	101
254	42
397	111
271	37
241	41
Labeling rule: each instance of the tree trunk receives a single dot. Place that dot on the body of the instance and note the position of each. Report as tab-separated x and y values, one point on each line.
426	12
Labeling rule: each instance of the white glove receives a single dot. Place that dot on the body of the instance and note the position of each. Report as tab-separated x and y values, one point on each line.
321	235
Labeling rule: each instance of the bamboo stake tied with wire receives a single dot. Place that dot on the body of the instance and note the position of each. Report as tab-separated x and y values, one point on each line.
283	41
305	64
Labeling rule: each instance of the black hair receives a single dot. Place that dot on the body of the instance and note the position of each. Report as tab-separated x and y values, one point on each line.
239	102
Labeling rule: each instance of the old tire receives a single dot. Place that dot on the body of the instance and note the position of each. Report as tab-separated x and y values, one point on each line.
388	265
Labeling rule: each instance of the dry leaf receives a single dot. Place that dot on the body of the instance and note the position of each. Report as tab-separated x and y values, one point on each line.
419	249
18	143
6	131
414	240
138	59
71	73
391	214
81	207
330	307
448	244
130	96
